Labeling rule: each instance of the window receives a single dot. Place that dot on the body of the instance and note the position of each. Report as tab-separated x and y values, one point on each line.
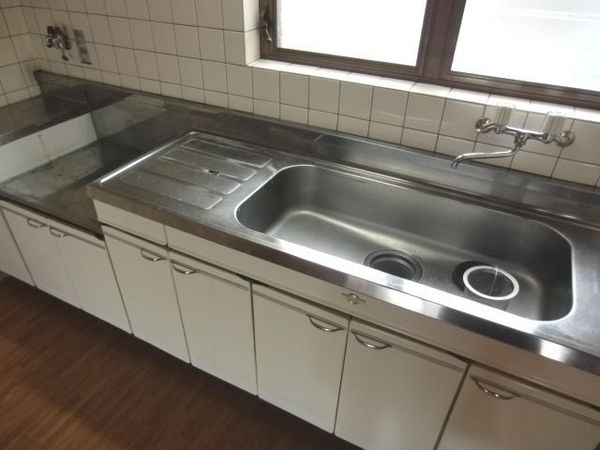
540	49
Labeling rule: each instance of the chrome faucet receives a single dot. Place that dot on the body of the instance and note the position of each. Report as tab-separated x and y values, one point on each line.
552	132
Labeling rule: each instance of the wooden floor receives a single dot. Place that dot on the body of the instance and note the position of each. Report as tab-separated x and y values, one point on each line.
70	381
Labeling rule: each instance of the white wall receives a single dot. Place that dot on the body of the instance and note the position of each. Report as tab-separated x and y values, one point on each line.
206	51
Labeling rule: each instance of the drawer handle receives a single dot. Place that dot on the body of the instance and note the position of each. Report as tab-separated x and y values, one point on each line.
353	299
150	256
35	224
487	391
331	328
182	270
362	340
56	233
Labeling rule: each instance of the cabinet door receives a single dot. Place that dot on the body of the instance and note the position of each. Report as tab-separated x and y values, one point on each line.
396	393
495	412
299	355
42	256
11	261
146	283
216	307
90	270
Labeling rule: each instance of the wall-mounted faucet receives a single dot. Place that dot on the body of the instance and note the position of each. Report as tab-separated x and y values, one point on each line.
552	132
56	38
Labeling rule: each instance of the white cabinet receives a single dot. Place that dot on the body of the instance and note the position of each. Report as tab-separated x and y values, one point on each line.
87	262
216	307
144	276
396	393
495	412
11	261
40	251
299	355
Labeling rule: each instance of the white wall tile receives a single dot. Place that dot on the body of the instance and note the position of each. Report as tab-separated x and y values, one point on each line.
126	61
95	7
186	39
106	57
111	78
385	132
577	172
233	15
239	79
424	112
100	29
191	72
586	147
322	119
265	84
15	20
430	90
453	147
267	109
141	33
151	86
353	125
72	5
120	33
160	10
192	94
240	103
137	9
164	37
355	100
168	68
170	90
212	44
534	163
294	114
389	106
7	52
130	82
459	119
12	78
215	76
116	8
216	99
324	94
146	63
294	89
235	47
419	139
252	46
184	12
209	13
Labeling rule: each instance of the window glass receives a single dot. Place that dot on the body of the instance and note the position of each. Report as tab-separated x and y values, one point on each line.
553	42
378	30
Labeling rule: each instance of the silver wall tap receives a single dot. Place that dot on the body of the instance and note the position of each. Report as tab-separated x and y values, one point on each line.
552	132
56	38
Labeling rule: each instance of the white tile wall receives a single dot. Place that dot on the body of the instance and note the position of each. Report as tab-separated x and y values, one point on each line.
208	51
17	56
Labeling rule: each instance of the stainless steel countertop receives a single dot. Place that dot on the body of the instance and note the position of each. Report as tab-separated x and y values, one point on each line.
572	211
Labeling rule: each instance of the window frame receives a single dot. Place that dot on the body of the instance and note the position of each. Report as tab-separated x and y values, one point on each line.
439	36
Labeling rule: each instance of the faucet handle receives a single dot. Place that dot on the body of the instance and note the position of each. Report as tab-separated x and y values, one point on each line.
503	114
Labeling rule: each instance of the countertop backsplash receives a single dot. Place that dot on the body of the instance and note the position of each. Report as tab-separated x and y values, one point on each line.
207	51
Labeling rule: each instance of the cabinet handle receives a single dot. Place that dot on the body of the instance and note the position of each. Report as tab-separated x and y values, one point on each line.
487	391
150	256
361	340
56	233
35	224
353	299
182	270
331	328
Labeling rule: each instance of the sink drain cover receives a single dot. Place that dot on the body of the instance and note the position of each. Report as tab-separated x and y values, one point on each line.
490	283
395	263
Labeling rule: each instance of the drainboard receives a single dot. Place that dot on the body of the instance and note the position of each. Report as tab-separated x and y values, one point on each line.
199	170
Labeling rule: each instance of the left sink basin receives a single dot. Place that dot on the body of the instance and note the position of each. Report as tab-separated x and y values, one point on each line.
499	259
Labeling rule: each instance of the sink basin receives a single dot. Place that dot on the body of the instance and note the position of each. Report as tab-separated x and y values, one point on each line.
498	259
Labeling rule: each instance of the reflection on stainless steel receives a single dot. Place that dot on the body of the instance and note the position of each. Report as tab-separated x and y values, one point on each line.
322	219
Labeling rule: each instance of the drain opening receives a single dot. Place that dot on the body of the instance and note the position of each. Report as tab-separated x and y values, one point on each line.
490	283
395	263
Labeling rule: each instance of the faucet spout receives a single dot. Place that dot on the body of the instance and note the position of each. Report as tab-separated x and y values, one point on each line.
484	155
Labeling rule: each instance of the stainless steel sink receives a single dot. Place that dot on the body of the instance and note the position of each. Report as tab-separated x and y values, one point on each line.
511	263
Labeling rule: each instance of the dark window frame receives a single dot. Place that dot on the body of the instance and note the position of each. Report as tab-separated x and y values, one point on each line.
439	36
